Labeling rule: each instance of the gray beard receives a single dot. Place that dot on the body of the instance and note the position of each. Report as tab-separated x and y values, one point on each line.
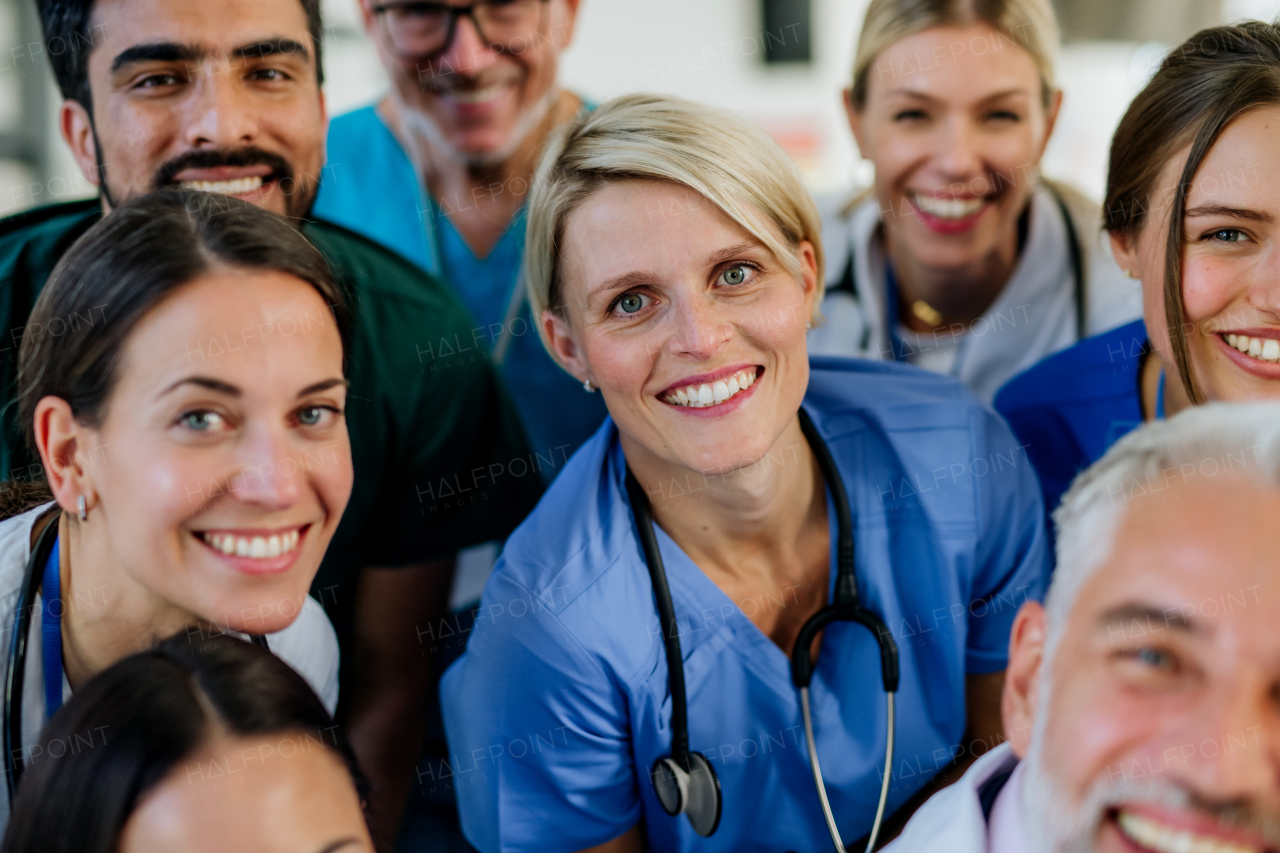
1056	824
418	126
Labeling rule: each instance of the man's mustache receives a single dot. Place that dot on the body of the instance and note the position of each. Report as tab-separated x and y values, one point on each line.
211	158
1108	798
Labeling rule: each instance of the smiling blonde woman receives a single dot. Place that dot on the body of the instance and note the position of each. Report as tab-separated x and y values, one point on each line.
961	258
675	261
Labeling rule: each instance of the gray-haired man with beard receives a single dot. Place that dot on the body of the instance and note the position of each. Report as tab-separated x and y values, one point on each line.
1142	701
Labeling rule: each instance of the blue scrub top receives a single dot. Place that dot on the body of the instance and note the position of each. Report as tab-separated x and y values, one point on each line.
560	704
1069	409
370	186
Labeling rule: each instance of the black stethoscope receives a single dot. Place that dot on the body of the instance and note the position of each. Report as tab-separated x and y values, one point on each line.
685	782
31	580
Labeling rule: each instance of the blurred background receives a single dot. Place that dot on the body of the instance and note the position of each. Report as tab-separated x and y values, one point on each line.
782	62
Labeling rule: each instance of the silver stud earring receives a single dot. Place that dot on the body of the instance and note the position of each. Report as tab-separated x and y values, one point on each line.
83	508
808	327
586	386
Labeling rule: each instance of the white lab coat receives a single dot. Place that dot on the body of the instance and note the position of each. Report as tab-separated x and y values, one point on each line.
1034	316
952	821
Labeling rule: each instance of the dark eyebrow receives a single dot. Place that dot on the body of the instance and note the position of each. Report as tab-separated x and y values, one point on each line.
1232	212
204	382
272	47
1173	618
323	386
160	51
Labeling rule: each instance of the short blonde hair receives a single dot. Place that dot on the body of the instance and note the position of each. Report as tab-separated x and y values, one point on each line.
721	156
1030	24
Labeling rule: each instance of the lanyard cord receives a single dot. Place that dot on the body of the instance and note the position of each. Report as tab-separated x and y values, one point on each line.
51	631
18	657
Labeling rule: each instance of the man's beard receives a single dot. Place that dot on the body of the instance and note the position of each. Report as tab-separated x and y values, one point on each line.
419	124
297	195
1055	825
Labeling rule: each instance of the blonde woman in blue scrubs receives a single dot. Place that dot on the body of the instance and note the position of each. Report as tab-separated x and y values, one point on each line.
675	260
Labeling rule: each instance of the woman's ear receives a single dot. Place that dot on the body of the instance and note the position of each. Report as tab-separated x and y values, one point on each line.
1124	250
808	258
1051	119
67	453
563	346
854	115
1022	677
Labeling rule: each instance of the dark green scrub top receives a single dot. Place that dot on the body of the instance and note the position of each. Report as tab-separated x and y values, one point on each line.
440	460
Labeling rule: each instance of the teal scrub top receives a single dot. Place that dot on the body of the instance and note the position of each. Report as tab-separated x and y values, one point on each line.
371	187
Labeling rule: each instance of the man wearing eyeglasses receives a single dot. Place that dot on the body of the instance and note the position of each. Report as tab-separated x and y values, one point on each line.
439	169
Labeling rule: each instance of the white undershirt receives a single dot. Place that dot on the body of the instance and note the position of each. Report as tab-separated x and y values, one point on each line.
931	351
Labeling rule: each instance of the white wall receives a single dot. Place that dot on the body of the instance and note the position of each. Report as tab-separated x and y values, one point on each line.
710	50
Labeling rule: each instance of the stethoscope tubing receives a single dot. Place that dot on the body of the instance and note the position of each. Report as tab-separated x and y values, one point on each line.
845	608
812	744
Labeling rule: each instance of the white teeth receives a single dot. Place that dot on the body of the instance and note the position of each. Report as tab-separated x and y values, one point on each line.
949	208
1161	838
255	547
236	186
476	96
701	396
1263	349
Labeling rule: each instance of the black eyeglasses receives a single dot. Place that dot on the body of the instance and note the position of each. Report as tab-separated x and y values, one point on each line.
422	31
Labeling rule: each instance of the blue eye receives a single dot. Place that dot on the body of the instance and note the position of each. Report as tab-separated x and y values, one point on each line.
1228	235
631	303
202	421
1153	657
316	415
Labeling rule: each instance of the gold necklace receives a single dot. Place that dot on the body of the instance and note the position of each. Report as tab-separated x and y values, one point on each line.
926	313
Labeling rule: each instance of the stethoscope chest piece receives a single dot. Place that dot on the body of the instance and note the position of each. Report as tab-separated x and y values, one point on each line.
693	791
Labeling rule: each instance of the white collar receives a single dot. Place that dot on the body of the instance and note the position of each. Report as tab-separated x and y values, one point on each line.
952	821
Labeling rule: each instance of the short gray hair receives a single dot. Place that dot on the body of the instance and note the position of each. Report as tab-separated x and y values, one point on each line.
1204	441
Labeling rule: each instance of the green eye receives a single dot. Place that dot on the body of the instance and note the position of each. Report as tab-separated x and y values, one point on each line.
737	275
631	303
310	416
